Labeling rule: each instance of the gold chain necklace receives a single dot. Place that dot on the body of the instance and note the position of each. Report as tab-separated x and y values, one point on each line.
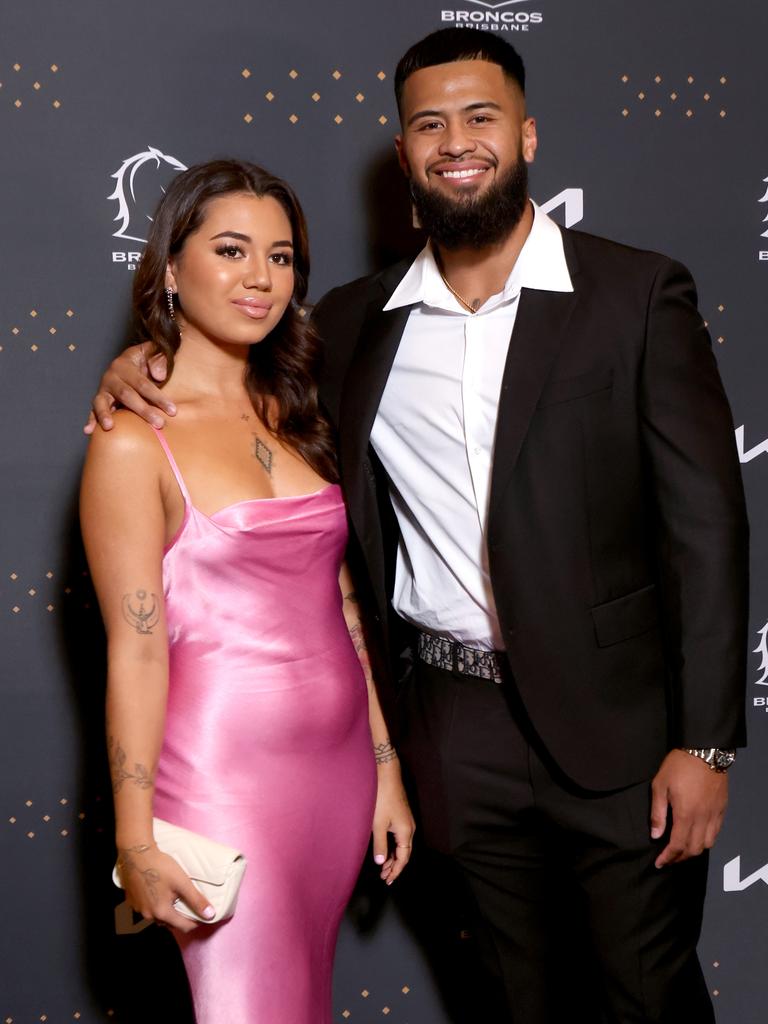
467	305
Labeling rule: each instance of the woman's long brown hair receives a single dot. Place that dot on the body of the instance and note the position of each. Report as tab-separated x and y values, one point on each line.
281	368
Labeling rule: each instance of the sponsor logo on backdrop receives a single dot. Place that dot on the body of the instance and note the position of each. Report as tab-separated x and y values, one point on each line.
572	201
127	922
733	881
763	253
139	182
762	668
489	16
747	454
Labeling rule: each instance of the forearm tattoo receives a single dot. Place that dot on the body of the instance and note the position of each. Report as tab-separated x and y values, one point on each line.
384	752
358	642
140	776
126	864
141	611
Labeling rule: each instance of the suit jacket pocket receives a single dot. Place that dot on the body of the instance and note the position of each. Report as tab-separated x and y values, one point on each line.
626	616
577	387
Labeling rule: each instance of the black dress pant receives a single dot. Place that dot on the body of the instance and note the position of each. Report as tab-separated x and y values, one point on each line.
553	870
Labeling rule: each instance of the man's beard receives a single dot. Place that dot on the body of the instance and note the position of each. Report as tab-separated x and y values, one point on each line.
473	221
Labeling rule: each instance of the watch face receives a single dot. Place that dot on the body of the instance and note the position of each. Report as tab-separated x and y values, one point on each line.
724	759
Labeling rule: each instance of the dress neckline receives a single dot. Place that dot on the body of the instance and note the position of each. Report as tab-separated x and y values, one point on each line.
256	501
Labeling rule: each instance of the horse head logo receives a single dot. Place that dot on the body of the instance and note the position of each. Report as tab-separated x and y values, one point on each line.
125	189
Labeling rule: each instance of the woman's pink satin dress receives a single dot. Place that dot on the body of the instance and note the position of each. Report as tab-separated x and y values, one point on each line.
267	746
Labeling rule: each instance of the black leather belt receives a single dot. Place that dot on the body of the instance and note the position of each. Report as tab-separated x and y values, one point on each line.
456	657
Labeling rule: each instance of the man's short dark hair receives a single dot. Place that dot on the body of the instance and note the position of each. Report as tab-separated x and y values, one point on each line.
448	45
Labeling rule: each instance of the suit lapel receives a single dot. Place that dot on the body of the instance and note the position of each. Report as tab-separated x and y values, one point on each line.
540	327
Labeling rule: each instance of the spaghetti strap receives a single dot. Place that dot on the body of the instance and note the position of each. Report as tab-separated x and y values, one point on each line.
179	478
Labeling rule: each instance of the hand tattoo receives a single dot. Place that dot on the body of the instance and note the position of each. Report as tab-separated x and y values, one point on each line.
140	776
126	863
262	453
141	619
384	752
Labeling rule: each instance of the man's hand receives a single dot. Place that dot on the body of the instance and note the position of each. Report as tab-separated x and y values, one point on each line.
696	796
126	382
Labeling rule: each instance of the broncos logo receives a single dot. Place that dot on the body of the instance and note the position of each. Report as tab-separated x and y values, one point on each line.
125	189
764	200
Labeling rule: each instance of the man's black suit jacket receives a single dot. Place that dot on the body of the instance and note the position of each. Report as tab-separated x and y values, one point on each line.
617	532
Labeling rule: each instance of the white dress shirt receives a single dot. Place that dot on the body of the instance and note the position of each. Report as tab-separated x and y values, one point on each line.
434	434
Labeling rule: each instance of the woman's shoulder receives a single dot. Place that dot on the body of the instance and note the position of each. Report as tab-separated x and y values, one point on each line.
131	442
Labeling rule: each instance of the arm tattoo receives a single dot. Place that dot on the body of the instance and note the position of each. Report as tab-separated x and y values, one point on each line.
126	864
358	639
384	752
263	454
140	776
142	618
351	597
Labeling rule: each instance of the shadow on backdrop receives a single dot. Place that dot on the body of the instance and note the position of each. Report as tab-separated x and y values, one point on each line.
391	236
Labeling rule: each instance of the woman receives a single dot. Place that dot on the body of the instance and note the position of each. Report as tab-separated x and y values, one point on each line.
240	703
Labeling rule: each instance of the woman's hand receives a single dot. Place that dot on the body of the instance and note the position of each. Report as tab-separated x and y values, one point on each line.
153	881
126	382
392	814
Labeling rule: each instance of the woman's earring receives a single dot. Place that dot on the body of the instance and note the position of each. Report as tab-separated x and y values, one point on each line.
169	297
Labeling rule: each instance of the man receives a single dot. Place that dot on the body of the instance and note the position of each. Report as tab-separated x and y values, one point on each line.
541	474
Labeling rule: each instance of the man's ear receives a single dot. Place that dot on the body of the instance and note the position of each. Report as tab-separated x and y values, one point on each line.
529	140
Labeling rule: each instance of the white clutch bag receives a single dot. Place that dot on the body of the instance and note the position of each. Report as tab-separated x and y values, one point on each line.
216	870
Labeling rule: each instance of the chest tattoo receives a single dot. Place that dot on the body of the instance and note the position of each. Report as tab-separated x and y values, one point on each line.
263	453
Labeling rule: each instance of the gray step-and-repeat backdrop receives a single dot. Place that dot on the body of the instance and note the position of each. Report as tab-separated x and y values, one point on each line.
652	127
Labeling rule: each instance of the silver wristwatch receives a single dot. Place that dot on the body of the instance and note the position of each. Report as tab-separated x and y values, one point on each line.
717	759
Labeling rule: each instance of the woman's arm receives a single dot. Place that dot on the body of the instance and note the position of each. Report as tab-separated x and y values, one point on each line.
123	524
392	813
